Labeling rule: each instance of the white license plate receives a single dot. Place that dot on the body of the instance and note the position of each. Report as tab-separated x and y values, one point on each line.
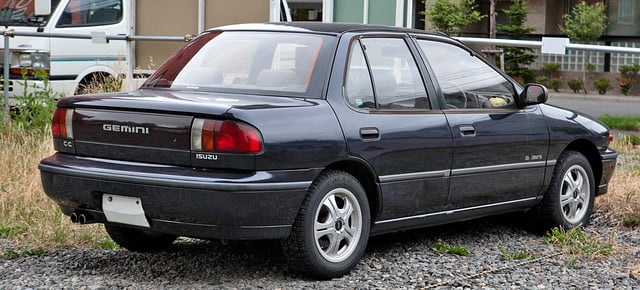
124	210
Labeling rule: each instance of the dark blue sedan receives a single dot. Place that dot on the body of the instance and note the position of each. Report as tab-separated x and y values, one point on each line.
320	135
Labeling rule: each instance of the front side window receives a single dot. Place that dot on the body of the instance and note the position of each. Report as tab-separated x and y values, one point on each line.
388	64
466	81
91	12
22	13
239	60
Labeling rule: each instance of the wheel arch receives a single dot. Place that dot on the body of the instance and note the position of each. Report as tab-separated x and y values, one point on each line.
589	150
94	73
367	178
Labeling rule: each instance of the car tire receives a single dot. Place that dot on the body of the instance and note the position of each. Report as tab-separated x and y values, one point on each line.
331	231
569	200
137	240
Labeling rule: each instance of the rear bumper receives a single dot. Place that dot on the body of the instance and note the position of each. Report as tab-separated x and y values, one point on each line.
608	167
182	201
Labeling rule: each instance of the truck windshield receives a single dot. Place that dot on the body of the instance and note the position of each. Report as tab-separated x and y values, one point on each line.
21	13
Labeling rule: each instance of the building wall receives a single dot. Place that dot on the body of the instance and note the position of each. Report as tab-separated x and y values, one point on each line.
178	18
622	20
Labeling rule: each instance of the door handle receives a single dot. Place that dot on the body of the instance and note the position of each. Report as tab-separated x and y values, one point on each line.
369	133
467	131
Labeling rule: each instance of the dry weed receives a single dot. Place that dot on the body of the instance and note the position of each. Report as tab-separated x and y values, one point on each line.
623	199
27	215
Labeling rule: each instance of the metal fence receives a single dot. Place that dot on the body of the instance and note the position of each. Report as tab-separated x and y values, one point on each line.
623	54
9	33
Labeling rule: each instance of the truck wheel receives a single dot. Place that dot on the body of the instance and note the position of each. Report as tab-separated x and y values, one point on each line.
330	234
569	200
139	240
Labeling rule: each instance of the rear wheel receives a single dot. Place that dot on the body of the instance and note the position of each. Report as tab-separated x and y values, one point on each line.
137	240
330	234
569	200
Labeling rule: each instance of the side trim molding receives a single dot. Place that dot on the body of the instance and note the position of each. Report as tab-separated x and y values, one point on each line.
415	175
448	212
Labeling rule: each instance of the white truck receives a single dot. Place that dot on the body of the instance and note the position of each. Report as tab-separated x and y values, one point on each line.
71	63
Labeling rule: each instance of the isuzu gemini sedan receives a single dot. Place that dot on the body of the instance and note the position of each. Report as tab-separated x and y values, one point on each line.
320	135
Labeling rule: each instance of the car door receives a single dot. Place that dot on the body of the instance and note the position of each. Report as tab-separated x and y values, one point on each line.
388	121
500	149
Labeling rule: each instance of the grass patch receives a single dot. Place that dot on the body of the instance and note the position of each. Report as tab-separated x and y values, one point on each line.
630	123
631	221
578	243
510	254
446	248
12	254
11	232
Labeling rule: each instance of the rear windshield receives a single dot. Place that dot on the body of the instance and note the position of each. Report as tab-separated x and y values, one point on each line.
269	62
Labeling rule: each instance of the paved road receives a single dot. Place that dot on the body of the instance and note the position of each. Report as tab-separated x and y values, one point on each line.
596	105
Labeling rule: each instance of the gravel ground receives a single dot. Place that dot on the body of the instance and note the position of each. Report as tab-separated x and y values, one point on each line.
396	261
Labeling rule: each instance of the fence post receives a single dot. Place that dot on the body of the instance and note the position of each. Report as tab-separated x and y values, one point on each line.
7	63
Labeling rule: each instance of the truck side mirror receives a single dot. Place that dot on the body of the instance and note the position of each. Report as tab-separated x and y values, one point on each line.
42	7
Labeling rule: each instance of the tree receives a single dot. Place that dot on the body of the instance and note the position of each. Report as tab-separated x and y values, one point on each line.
450	17
517	58
585	24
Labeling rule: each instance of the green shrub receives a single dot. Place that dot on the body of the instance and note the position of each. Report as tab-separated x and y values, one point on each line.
575	85
628	75
602	84
550	70
555	84
543	80
34	109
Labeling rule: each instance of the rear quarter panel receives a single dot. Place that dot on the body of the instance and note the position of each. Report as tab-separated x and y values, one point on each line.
297	136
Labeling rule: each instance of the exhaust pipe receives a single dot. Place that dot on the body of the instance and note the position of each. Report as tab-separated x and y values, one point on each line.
82	218
74	217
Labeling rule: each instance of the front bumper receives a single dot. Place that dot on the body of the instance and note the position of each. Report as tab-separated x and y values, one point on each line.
608	167
182	201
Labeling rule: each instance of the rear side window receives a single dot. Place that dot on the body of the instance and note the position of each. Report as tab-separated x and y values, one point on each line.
466	81
79	13
383	74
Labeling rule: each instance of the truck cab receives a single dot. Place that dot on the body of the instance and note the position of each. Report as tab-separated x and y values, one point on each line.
71	65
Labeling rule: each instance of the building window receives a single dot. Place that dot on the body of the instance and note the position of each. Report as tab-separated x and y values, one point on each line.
626	9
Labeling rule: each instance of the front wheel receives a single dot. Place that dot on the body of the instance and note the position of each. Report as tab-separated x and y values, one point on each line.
330	234
569	200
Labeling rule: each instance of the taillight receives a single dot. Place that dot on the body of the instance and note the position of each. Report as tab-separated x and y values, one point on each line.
62	124
224	137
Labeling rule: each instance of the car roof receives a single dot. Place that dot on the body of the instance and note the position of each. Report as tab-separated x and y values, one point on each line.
321	27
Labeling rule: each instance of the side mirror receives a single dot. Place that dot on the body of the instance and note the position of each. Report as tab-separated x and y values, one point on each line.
535	94
42	7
